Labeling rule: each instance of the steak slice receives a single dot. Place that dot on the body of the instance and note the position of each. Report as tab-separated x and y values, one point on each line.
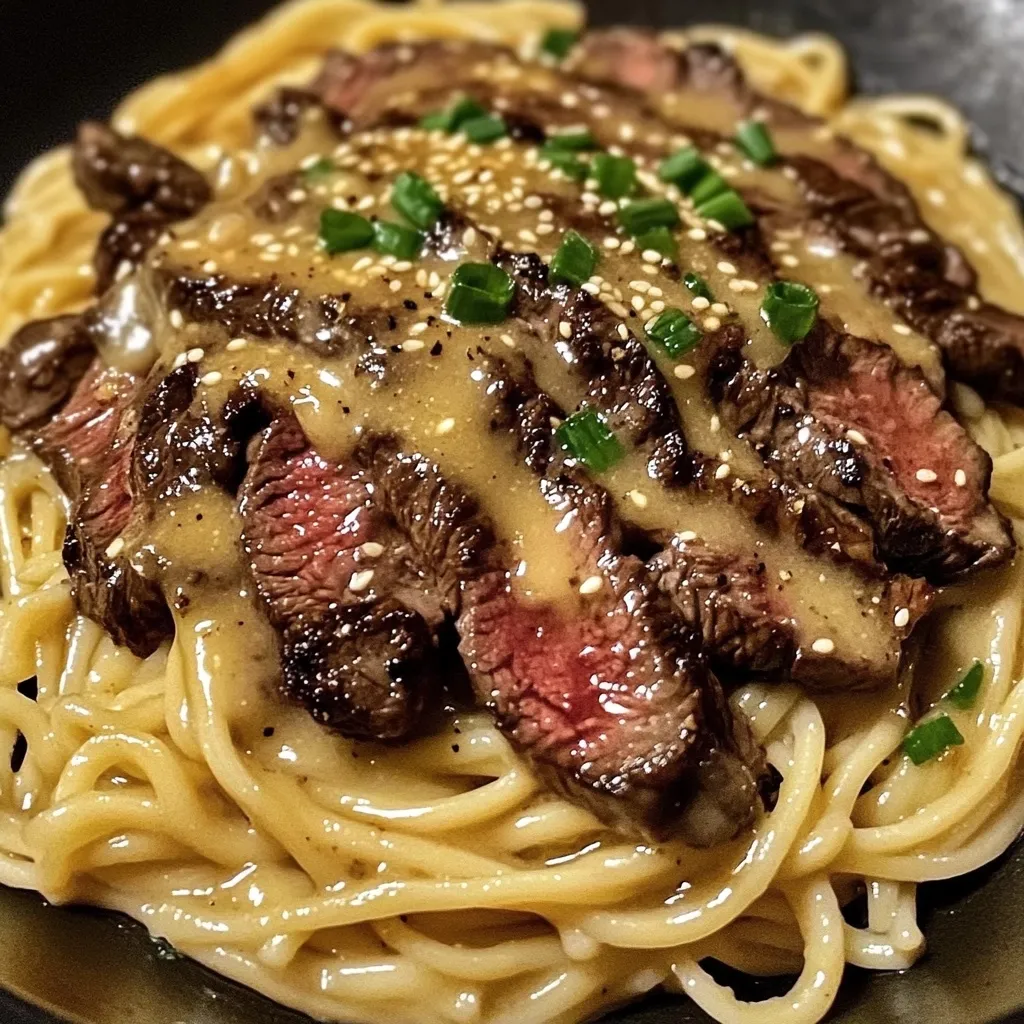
40	367
842	416
333	573
143	186
88	445
611	700
749	622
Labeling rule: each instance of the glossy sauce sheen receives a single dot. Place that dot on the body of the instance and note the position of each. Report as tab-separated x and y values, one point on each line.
430	396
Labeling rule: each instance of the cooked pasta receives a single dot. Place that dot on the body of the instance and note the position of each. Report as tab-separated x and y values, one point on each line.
440	881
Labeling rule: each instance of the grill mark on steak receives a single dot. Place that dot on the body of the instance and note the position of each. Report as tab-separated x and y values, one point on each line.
357	650
143	186
40	367
614	706
88	445
799	416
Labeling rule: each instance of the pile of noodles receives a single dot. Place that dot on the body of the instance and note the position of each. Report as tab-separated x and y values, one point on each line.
420	884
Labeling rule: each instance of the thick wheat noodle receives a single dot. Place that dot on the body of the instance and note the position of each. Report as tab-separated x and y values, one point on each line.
136	794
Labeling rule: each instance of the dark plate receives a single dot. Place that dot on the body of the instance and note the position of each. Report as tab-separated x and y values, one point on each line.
61	61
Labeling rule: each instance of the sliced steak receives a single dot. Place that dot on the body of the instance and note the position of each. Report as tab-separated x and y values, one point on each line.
144	188
333	574
89	447
612	701
40	367
843	416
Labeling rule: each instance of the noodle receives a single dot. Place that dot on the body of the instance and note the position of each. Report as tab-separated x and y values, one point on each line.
420	884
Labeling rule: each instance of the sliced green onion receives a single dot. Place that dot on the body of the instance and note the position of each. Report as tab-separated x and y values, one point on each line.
674	332
587	436
753	138
711	185
790	309
319	169
643	215
965	693
480	293
616	175
661	240
484	129
931	738
575	259
684	168
415	199
698	286
728	209
341	231
451	119
397	240
574	141
567	162
558	42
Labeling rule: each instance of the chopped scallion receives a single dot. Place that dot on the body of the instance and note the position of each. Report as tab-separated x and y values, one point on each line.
661	240
484	129
567	162
341	231
415	199
616	175
674	332
727	209
319	169
557	42
965	693
711	185
931	738
753	138
587	436
575	259
451	119
397	240
684	168
698	286
577	142
790	309
480	293
643	215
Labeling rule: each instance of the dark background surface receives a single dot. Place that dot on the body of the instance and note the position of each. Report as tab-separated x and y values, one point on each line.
63	61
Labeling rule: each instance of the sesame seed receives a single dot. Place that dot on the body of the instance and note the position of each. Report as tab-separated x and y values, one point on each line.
194	355
177	320
618	309
533	202
211	378
548	229
179	361
412	345
697	234
363	263
726	267
418	328
901	618
395	285
637	302
719	309
723	471
901	329
927	476
372	549
700	303
715	423
638	498
785	575
686	536
684	371
591	289
651	256
210	267
712	323
823	645
611	242
856	436
640	286
591	585
508	340
401	266
960	478
789	260
360	580
803	435
236	344
623	332
565	329
607	208
115	547
445	426
528	236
